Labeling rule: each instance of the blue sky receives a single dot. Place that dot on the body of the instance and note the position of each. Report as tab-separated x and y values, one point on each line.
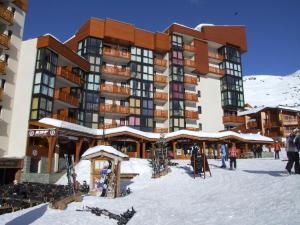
273	32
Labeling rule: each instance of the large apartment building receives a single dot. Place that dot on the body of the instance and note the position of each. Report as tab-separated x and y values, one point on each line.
112	74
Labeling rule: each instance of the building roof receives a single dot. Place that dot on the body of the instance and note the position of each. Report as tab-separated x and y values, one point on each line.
155	136
261	108
98	150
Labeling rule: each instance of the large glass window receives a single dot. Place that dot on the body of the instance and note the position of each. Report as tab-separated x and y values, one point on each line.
147	108
90	46
46	60
148	56
147	89
177	73
135	88
135	106
136	54
176	108
93	82
177	90
176	41
136	70
148	73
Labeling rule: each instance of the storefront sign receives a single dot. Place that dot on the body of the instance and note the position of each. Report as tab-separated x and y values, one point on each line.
41	132
10	163
178	151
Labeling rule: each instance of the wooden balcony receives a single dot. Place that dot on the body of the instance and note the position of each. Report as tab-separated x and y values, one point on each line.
114	90
192	128
189	80
215	56
160	64
160	80
252	124
290	122
160	96
115	73
67	74
189	63
1	94
116	53
272	124
234	120
4	41
2	67
216	70
160	130
189	48
6	15
108	126
64	118
65	97
112	108
191	97
191	115
161	114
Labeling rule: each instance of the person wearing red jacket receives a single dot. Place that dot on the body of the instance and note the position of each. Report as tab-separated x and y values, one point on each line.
233	156
277	149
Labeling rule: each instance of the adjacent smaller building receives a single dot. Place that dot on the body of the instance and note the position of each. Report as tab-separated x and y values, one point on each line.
275	122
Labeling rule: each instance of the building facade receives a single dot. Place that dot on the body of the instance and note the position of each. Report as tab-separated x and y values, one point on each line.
275	122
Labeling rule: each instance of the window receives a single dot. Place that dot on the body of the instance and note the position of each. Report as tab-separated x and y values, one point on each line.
136	70
46	60
134	121
177	90
177	57
147	89
200	126
89	46
176	41
148	73
177	73
199	94
148	56
199	109
147	107
135	106
177	108
135	88
136	54
93	82
95	63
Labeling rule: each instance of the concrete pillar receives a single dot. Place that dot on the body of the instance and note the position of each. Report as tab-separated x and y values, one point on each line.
56	162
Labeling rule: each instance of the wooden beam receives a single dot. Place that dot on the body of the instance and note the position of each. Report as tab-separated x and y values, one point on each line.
174	148
51	146
92	143
78	148
144	149
138	149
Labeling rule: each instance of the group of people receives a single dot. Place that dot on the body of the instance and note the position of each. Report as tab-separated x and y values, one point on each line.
257	151
228	152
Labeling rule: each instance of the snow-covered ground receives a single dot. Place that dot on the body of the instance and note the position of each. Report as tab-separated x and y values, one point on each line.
258	192
272	90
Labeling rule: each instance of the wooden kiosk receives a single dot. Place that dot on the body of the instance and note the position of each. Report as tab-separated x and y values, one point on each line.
105	164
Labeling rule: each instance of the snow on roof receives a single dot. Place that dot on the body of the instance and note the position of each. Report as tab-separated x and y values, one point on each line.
104	148
69	39
200	134
199	26
258	109
48	34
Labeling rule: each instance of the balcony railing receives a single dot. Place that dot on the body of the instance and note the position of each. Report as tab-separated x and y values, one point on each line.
192	128
114	89
112	108
190	80
66	97
189	63
160	113
189	47
271	124
2	66
191	114
161	96
1	94
160	79
215	55
216	70
160	62
191	97
252	124
108	125
114	70
68	75
289	122
6	14
116	53
4	40
64	118
160	130
233	119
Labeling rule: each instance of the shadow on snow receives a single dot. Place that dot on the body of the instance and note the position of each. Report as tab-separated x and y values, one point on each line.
271	173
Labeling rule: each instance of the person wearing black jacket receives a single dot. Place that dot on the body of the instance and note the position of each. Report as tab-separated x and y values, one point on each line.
292	150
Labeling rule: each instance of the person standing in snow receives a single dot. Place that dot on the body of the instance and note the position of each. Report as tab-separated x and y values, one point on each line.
227	152
277	149
223	155
292	149
259	151
233	156
254	150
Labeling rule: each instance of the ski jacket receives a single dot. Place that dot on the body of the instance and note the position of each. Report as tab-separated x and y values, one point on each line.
292	143
233	152
277	146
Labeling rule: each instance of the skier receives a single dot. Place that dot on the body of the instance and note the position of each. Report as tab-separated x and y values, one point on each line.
277	149
232	156
292	149
223	155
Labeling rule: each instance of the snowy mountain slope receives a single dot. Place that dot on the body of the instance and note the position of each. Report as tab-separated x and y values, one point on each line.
272	90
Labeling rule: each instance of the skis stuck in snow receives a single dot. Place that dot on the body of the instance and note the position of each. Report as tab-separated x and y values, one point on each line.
122	218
